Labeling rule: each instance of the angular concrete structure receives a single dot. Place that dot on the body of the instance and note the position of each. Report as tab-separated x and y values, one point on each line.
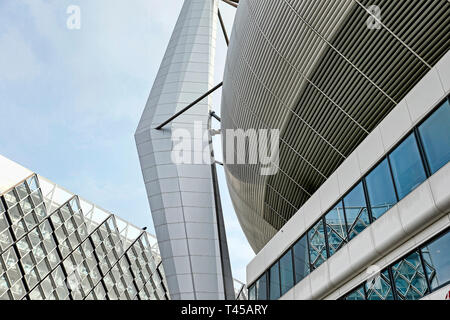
183	196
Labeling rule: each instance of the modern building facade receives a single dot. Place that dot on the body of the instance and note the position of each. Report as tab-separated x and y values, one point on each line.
359	208
240	290
183	196
55	245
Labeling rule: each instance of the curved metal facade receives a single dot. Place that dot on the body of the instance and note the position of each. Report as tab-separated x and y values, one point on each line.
325	73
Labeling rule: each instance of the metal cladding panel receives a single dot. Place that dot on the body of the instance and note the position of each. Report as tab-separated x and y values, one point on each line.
181	196
325	73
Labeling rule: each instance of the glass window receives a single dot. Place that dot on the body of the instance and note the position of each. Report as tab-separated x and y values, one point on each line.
5	239
336	228
261	288
36	294
274	285
380	189
409	278
3	221
18	290
407	166
380	288
357	294
435	135
252	293
32	183
22	190
356	211
301	259
437	261
317	245
10	198
286	272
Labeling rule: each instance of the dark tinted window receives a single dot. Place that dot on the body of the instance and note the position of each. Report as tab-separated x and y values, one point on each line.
261	288
301	259
252	293
286	272
437	261
407	166
336	228
356	211
317	245
357	294
274	278
380	288
413	277
435	135
409	278
380	189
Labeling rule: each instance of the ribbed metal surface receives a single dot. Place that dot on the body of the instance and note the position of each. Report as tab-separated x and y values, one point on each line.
316	71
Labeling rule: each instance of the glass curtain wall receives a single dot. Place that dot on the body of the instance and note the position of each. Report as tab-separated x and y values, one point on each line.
422	153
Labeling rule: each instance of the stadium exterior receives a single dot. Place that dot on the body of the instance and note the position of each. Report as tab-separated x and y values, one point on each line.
55	245
359	89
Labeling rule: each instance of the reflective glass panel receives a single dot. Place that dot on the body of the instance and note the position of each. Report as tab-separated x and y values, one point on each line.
336	228
407	166
32	183
356	211
39	269
437	261
5	239
22	190
409	278
274	282
301	259
357	294
3	222
435	135
37	197
380	288
252	292
10	198
317	245
380	188
261	288
286	272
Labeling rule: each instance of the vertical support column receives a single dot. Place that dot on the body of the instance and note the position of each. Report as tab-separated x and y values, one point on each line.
183	196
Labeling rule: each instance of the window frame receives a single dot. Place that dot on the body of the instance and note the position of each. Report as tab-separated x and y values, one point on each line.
269	281
291	251
346	238
307	263
420	138
424	160
404	256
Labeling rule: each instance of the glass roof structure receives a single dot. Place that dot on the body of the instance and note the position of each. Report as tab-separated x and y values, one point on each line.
56	245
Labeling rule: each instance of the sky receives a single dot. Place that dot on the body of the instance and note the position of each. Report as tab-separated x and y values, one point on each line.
71	99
